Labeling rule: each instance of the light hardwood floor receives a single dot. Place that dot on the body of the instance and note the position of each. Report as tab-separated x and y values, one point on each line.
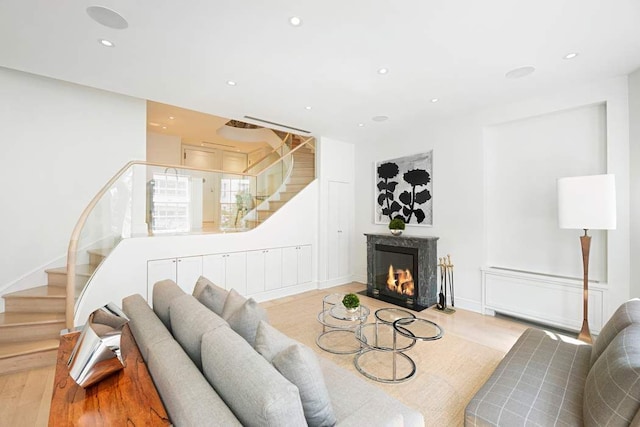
25	396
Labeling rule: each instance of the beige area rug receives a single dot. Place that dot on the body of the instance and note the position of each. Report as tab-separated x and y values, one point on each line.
449	370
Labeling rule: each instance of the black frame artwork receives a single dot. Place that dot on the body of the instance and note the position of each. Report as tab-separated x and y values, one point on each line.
404	188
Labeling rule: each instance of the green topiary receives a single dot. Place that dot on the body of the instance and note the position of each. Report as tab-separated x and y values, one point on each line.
396	223
351	301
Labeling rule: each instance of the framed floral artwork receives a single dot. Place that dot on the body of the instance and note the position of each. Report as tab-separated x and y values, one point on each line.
404	190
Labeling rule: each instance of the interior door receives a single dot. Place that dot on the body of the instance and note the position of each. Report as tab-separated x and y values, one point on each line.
338	239
201	159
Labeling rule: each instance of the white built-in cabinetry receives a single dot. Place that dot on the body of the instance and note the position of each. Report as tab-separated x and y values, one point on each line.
250	273
184	271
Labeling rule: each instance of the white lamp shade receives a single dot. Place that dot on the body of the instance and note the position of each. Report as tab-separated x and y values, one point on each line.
587	202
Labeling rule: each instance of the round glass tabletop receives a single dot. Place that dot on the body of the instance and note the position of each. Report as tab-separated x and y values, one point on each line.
390	315
333	299
380	337
340	312
418	329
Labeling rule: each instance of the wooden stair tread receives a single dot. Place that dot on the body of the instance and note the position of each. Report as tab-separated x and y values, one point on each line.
19	319
39	292
100	251
81	270
27	347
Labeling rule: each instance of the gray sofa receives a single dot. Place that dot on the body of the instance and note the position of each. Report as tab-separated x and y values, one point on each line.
548	379
216	361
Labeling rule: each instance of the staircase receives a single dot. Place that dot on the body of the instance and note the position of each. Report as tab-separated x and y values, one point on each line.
302	174
31	324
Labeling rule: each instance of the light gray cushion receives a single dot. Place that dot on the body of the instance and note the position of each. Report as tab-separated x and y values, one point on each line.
270	341
245	320
186	394
256	393
233	302
164	292
626	314
213	297
146	327
612	391
540	381
299	365
191	320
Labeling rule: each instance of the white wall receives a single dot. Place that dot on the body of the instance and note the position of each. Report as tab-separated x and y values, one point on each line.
634	145
61	142
458	187
164	149
124	272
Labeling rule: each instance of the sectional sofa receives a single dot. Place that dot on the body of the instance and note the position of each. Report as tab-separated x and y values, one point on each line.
215	360
548	379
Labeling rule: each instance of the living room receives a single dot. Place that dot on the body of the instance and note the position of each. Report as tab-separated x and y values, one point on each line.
69	129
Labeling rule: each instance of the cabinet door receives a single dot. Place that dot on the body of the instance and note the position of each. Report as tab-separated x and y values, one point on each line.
157	270
236	272
272	269
213	268
290	266
304	264
189	269
255	272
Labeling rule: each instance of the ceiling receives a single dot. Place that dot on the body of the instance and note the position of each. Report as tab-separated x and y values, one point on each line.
458	51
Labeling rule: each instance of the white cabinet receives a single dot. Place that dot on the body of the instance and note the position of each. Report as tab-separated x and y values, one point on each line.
338	230
227	270
296	265
184	271
264	270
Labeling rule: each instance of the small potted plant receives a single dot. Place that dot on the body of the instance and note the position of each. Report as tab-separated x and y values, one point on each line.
351	302
396	226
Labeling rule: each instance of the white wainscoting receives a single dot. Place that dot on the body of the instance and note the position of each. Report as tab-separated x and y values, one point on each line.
550	300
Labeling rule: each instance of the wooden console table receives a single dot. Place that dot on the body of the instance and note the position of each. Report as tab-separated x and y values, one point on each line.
126	398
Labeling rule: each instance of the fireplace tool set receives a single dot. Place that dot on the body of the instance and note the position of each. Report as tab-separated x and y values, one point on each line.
446	278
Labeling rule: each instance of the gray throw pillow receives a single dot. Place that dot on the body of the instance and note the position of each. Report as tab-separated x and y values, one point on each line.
245	320
299	364
211	296
232	303
270	341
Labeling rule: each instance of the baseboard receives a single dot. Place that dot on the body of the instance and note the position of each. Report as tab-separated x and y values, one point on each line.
468	304
335	282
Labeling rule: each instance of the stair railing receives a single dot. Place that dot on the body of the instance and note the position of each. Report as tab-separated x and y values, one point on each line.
146	198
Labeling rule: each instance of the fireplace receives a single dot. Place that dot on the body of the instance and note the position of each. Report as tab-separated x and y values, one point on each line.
402	270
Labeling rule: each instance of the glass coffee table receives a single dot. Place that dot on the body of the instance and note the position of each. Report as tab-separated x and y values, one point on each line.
339	324
385	342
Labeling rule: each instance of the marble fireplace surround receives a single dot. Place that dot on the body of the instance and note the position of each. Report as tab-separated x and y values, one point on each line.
427	282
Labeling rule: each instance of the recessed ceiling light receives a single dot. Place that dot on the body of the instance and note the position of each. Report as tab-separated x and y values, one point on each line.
379	118
383	71
153	124
171	117
107	17
434	100
570	55
519	72
295	21
164	127
361	125
231	83
106	43
308	107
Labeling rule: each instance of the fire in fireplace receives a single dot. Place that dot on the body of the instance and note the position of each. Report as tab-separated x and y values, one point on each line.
396	269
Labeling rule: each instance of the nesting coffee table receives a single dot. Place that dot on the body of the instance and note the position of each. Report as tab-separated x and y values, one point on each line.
339	324
384	343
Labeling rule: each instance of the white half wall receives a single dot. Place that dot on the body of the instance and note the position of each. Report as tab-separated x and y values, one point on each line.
458	183
634	160
61	143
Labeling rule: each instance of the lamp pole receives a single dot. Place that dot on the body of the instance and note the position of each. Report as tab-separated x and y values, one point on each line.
585	242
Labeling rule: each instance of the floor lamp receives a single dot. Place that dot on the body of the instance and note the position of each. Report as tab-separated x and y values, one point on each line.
587	202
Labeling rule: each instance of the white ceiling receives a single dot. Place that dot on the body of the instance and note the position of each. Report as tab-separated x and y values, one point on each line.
182	53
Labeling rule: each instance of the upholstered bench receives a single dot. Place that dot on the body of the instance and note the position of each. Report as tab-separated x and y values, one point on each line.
547	379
